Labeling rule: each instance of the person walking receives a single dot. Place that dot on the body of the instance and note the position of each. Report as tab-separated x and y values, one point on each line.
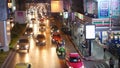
111	62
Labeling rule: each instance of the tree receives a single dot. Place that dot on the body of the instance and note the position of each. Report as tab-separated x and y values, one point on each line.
77	6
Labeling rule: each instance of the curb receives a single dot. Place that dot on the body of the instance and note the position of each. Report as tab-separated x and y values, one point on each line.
8	59
76	48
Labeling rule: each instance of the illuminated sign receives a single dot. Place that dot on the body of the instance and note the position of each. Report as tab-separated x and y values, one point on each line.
103	9
56	6
20	16
90	31
65	15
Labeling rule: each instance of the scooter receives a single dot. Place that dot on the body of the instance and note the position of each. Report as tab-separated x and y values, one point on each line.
60	51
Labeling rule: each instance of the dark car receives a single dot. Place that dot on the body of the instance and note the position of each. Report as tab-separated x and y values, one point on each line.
23	44
40	39
29	31
66	30
42	27
54	28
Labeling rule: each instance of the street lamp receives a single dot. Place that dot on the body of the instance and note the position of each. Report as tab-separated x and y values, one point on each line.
110	17
110	20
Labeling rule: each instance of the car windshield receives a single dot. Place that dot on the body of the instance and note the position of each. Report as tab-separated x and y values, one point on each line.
54	27
74	59
40	36
42	24
23	41
29	30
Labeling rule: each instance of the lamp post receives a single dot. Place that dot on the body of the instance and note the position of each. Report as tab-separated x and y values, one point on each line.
110	17
110	27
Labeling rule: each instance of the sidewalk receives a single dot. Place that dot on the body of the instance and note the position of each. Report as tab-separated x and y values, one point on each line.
97	53
100	54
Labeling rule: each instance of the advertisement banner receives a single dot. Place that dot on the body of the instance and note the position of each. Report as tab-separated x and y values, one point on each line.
90	31
20	17
56	6
103	9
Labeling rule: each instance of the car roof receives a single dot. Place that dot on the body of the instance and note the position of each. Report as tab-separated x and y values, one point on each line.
40	36
74	55
24	40
23	65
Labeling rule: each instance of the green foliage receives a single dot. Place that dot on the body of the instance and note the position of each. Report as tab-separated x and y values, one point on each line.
3	56
16	32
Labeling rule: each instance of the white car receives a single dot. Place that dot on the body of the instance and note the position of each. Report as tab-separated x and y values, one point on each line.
23	44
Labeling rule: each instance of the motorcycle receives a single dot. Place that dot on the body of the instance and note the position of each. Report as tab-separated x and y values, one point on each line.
60	51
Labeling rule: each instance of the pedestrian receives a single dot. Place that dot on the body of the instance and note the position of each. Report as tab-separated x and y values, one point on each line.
111	62
104	49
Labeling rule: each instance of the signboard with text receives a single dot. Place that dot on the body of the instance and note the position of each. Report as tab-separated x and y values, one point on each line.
103	9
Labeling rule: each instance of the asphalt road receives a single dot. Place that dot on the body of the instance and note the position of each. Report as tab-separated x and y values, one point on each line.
45	56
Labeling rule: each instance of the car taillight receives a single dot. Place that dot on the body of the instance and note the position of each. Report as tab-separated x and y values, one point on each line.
70	67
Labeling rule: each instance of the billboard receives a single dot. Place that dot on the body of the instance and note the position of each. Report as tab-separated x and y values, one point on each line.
103	9
20	17
90	31
56	6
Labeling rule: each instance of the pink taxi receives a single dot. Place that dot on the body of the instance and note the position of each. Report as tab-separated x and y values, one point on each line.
73	61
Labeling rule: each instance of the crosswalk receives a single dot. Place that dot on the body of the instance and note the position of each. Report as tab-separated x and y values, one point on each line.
99	66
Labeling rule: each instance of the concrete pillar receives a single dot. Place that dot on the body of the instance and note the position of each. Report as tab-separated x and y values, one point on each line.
6	47
3	36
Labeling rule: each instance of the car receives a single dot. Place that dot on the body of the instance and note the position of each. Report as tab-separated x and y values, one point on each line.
41	19
56	37
73	61
42	27
33	19
23	44
23	65
29	31
40	39
54	28
66	30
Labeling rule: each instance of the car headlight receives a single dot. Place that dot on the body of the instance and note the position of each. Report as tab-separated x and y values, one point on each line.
43	41
26	46
18	46
53	39
51	31
58	31
25	32
31	33
37	41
